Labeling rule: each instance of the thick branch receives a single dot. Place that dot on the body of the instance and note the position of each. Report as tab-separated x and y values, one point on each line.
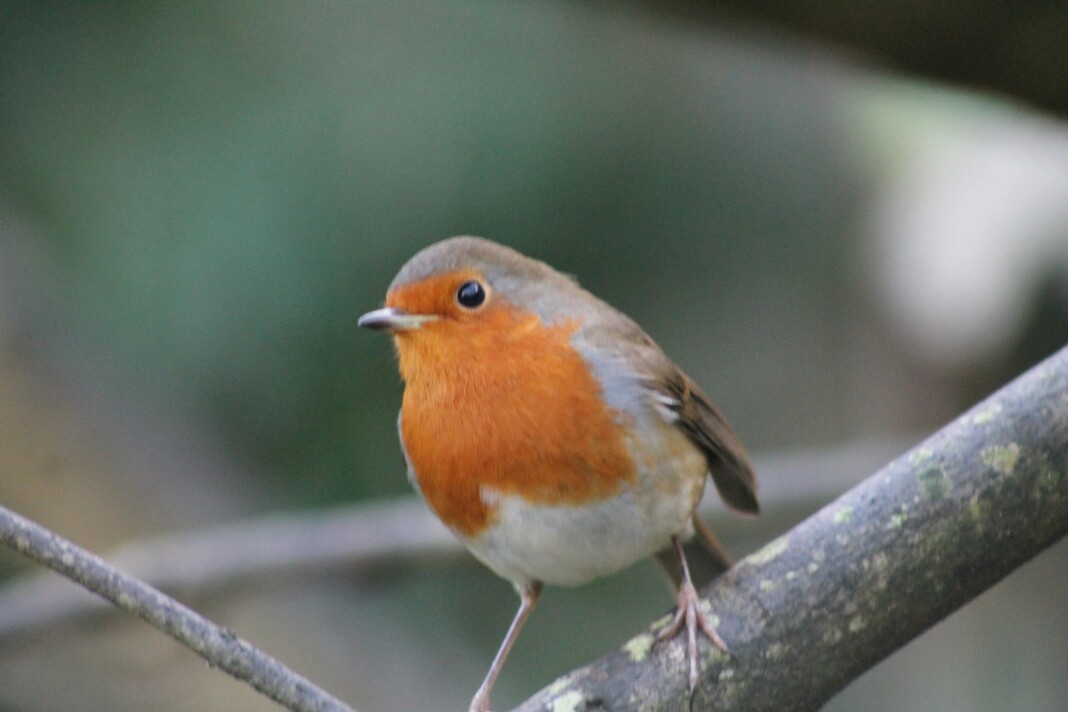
219	646
821	604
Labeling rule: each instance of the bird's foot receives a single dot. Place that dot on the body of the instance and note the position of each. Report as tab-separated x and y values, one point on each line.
691	613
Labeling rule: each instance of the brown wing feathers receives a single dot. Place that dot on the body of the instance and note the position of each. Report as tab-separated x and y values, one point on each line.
706	428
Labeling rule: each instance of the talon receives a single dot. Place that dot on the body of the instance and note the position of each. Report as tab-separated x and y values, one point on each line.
690	612
672	628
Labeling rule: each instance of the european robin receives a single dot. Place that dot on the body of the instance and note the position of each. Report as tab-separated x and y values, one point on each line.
548	431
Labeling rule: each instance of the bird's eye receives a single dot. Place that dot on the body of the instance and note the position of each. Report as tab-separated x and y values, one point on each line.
471	294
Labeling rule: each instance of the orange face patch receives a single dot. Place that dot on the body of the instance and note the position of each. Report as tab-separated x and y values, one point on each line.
436	295
495	399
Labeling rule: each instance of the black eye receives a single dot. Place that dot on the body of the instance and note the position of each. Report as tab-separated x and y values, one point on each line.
471	294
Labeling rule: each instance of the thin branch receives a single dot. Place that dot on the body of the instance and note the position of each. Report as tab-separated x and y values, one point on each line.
218	645
815	608
215	557
350	538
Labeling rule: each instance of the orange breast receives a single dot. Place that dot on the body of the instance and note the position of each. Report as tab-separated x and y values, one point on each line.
504	403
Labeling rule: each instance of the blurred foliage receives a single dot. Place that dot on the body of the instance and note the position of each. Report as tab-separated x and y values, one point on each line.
225	187
1019	47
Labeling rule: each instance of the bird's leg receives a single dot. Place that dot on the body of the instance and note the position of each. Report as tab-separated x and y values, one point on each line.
528	598
690	613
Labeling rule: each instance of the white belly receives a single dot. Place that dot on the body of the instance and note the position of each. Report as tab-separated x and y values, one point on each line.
572	544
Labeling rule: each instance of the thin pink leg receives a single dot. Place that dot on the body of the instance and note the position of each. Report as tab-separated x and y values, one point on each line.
528	598
690	613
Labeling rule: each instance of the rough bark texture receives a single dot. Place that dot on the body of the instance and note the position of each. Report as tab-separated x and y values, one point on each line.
821	604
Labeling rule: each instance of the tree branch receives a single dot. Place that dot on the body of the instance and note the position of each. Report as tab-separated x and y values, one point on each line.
818	606
219	646
207	559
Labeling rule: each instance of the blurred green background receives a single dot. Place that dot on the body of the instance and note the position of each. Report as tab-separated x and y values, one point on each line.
197	200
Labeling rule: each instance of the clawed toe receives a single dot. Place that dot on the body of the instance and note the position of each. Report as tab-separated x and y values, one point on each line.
690	612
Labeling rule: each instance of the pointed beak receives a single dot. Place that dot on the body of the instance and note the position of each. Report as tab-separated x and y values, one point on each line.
392	319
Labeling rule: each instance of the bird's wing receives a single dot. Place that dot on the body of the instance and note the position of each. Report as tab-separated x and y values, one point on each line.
618	345
691	411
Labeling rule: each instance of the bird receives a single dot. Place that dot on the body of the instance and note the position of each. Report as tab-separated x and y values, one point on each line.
549	432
